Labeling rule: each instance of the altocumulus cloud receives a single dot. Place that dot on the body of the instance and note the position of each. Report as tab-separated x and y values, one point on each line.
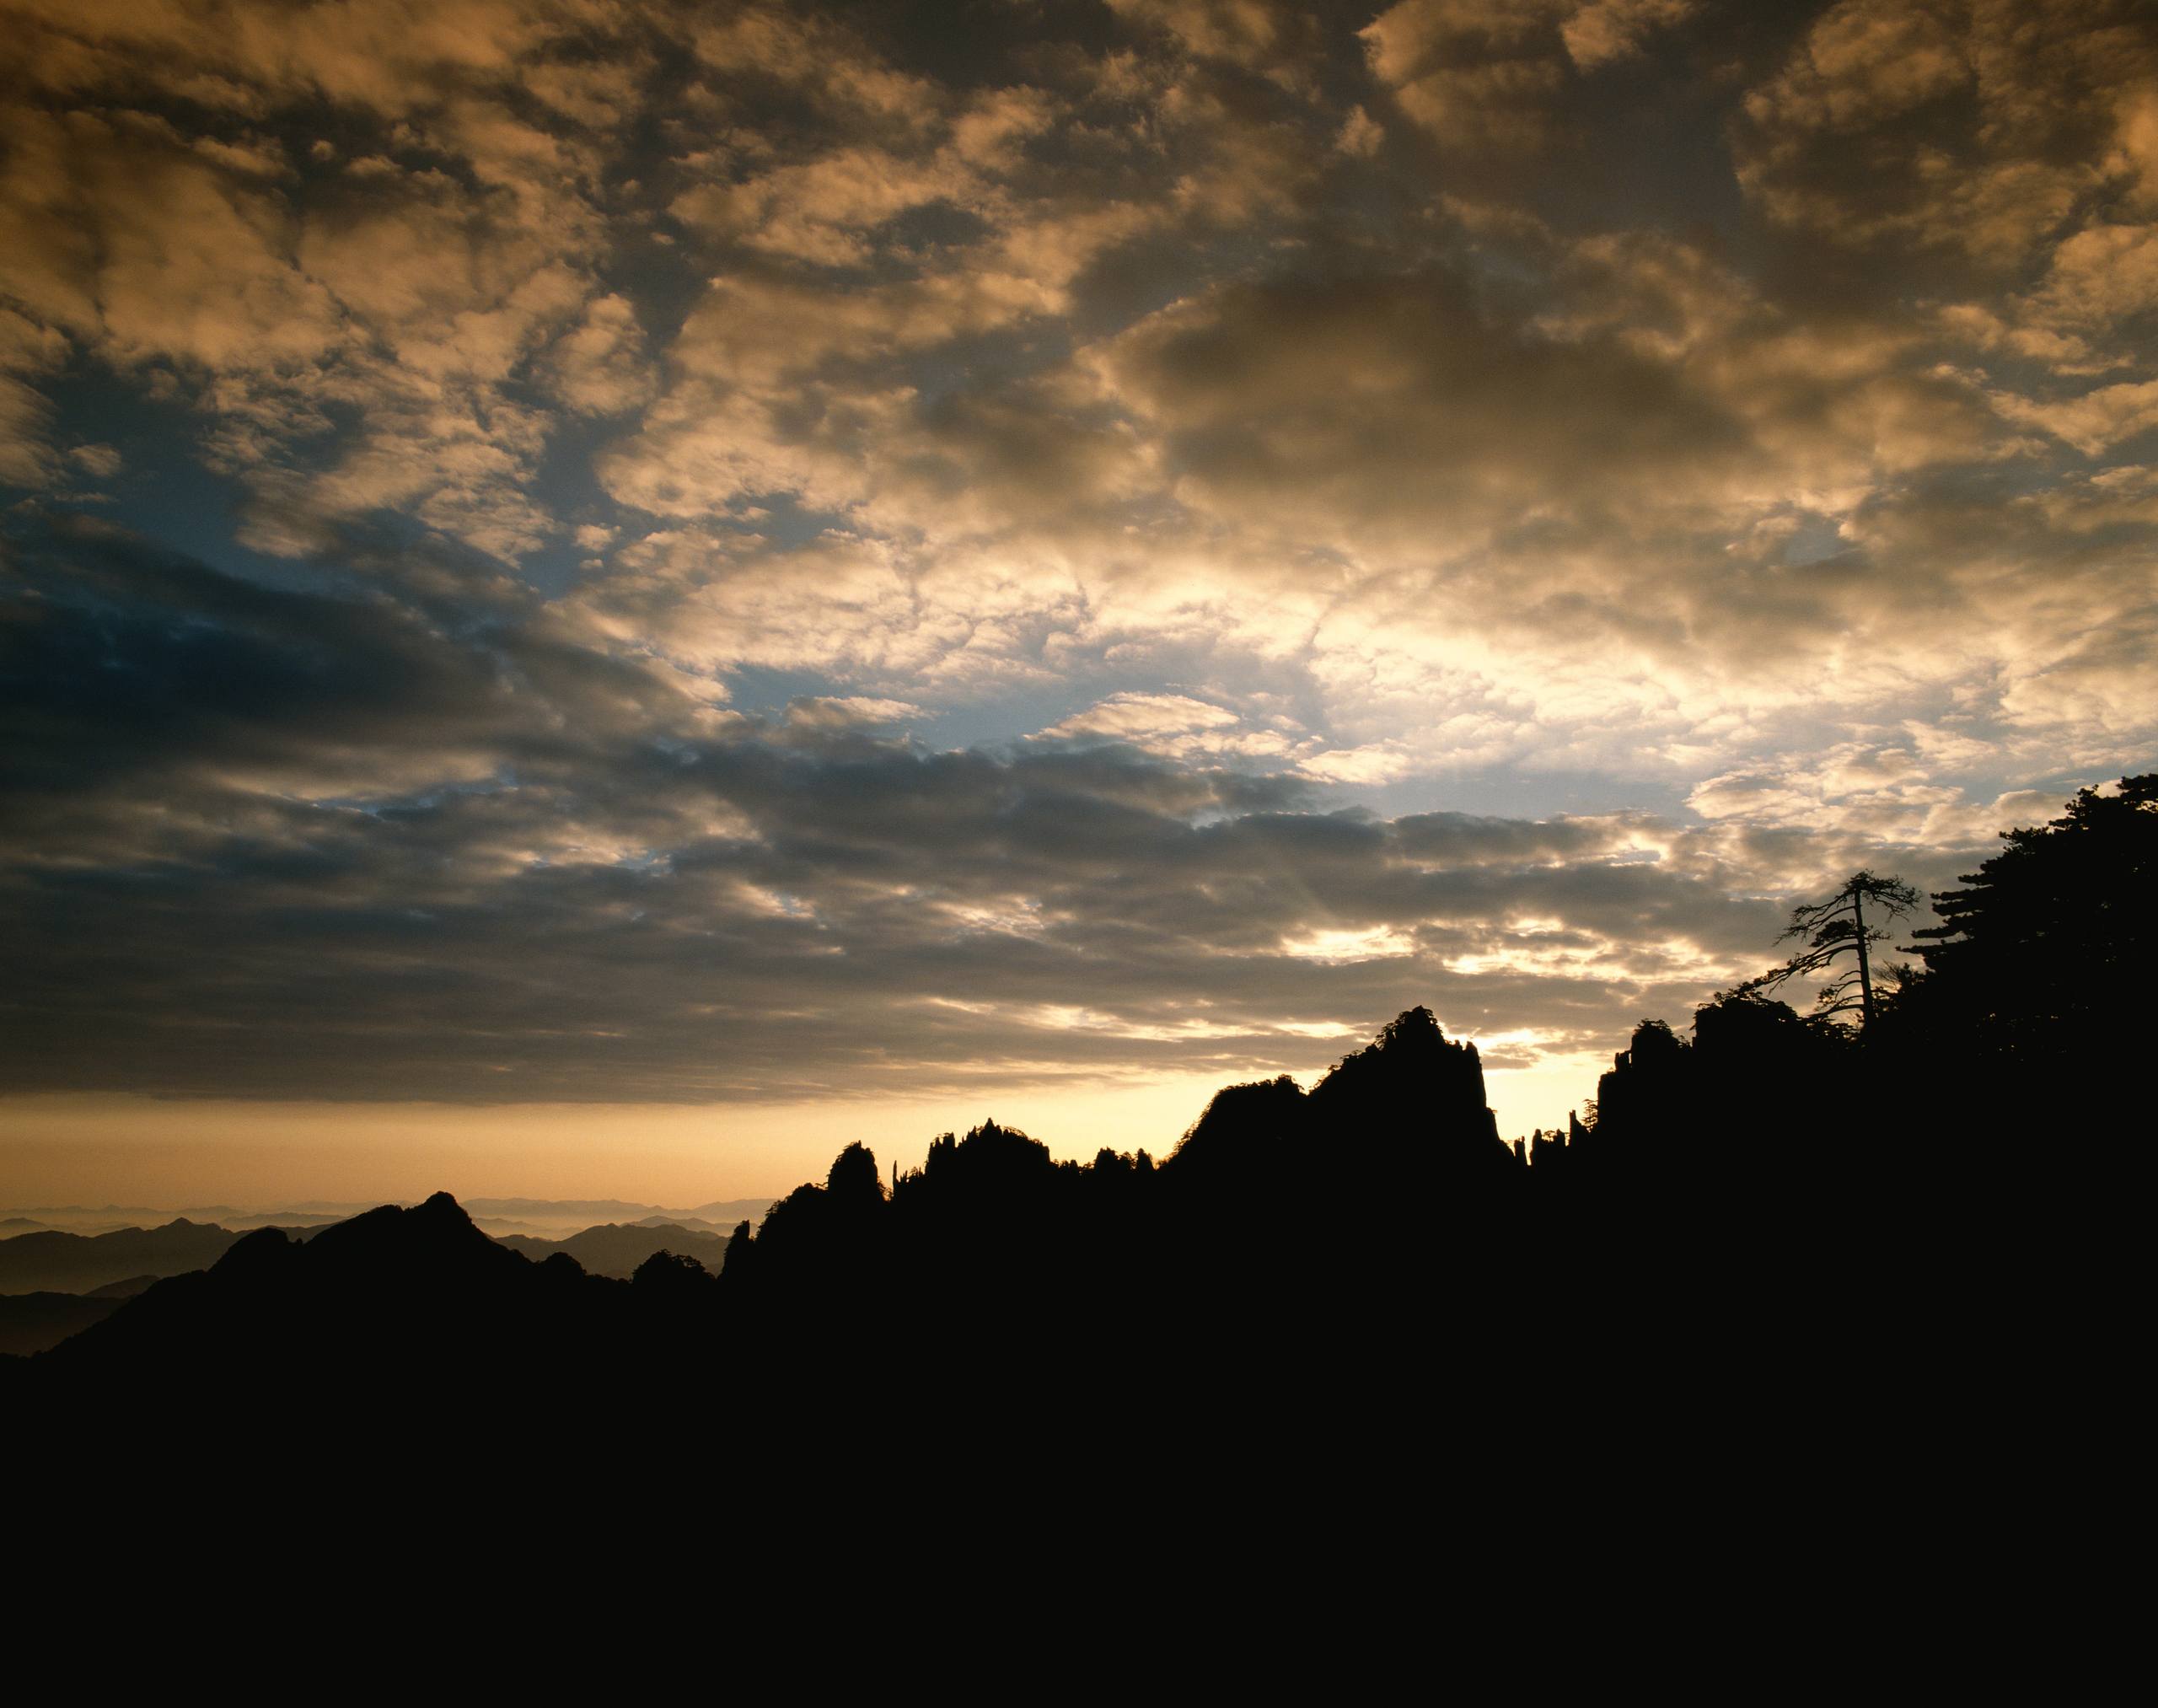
599	548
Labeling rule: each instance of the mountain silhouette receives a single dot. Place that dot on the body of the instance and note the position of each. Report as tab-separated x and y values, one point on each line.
393	1296
1766	1224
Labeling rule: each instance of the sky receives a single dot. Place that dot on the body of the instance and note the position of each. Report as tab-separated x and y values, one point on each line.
599	597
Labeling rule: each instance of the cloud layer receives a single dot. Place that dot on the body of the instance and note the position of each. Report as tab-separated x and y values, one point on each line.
611	549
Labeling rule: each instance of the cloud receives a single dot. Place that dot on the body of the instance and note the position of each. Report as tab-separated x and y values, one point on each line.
1574	524
1374	397
406	285
419	856
1245	32
643	433
1128	716
818	55
1962	128
1606	31
28	353
2103	274
1491	75
2093	421
1473	73
1179	727
390	56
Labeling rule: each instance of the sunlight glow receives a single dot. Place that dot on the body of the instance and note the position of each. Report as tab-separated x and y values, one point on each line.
1338	948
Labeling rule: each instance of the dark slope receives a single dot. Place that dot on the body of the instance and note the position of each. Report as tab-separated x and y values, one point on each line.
31	1322
126	1289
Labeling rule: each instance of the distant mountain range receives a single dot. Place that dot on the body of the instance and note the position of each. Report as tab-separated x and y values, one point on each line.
555	1218
56	1261
51	1260
616	1249
551	1219
111	1218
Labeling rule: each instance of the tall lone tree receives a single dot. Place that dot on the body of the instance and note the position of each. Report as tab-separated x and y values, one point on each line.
1836	928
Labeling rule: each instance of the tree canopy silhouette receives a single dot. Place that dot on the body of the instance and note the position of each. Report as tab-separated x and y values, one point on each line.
2041	951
